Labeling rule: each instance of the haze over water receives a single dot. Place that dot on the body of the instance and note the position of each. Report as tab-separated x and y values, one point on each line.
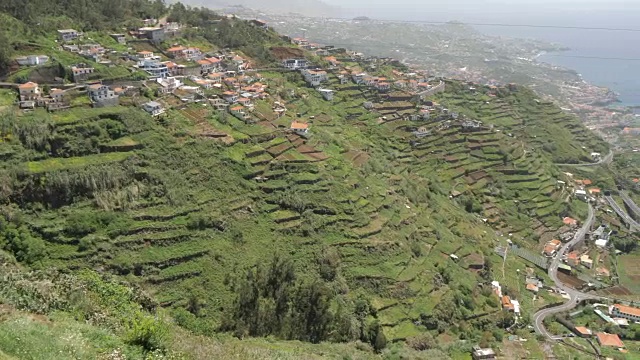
620	72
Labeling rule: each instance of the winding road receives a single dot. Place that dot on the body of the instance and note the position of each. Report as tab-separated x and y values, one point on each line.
575	295
605	160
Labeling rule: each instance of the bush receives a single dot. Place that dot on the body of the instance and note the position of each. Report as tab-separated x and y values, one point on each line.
422	342
147	332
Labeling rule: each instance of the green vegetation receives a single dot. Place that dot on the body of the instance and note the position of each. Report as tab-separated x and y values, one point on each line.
358	241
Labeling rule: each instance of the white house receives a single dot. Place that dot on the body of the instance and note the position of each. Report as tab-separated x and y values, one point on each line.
169	84
300	128
101	95
581	194
294	64
327	94
29	91
155	68
313	77
238	111
153	107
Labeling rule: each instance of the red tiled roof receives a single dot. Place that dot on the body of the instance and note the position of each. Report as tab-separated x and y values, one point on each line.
609	340
29	85
627	309
583	330
299	126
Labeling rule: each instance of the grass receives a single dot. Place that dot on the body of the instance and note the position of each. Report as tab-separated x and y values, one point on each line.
58	164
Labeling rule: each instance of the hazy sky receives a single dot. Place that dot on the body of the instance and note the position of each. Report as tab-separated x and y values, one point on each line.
496	10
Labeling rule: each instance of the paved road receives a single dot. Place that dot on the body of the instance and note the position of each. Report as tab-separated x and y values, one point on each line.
622	213
605	160
575	295
630	203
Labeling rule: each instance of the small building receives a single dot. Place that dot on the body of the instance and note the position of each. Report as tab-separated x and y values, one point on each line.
586	261
155	34
594	191
605	339
573	258
596	156
238	111
102	96
602	243
533	288
29	91
294	64
478	353
154	108
120	38
506	303
552	247
313	77
583	332
68	35
259	23
625	312
32	60
230	97
145	55
569	221
81	72
155	68
57	95
300	128
327	94
168	84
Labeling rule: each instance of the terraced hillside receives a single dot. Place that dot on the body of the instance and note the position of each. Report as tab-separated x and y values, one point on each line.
183	214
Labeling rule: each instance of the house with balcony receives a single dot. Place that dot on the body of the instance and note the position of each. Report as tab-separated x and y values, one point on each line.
154	108
294	64
102	96
168	84
154	68
314	77
625	312
327	94
230	97
29	91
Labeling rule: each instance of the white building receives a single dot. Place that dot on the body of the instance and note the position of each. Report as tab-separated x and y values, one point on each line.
294	64
327	94
32	60
153	107
625	312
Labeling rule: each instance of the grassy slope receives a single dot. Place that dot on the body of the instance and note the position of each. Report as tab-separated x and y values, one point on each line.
381	204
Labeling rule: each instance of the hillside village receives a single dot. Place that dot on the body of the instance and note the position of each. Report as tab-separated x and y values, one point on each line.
272	118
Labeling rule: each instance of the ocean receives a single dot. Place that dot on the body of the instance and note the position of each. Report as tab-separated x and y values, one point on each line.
604	58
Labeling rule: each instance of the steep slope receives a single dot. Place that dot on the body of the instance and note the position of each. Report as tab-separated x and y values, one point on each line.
376	218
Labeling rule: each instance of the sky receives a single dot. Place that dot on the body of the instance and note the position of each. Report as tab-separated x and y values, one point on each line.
522	11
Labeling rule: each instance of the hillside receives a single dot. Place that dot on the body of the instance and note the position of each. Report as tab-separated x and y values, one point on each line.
357	227
304	7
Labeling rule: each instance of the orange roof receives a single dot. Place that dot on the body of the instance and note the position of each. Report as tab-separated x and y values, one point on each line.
594	190
299	126
532	287
627	309
569	221
176	48
609	340
636	180
583	330
170	64
204	62
549	249
214	60
236	108
228	93
572	255
243	99
95	86
586	182
555	242
29	85
144	52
